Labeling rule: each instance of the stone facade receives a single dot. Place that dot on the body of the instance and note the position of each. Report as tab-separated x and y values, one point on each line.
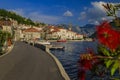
30	34
61	33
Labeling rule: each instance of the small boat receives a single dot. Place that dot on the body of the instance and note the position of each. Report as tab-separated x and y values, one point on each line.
43	42
57	48
61	40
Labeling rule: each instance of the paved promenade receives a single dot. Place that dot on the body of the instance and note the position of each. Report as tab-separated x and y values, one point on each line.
26	62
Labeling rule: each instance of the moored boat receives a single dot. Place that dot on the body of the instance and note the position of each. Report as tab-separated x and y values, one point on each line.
43	42
61	40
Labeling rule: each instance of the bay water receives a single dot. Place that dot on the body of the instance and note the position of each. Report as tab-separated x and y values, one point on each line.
70	55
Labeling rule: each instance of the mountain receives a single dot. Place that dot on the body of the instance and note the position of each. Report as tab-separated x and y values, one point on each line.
88	29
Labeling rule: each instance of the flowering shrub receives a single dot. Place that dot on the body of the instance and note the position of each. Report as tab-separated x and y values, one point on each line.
108	36
107	60
86	62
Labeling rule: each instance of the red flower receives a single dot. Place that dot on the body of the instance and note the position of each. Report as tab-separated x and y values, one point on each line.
87	59
86	64
81	75
108	36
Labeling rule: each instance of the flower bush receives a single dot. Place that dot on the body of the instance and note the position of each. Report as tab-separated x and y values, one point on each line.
108	36
105	64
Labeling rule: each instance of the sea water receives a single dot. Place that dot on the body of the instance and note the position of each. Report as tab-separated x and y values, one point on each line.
70	55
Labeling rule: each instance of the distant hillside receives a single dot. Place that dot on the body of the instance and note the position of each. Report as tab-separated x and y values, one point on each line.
4	14
114	26
93	35
88	29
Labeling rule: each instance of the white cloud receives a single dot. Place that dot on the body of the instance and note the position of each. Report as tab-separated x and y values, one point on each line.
68	13
103	18
100	11
98	5
36	16
82	16
92	21
44	18
96	22
96	13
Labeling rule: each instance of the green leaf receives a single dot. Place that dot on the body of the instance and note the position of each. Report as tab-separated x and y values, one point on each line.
109	14
114	67
108	63
111	6
114	10
105	51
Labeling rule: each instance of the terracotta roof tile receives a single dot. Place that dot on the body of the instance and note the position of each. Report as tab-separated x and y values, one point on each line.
8	23
31	30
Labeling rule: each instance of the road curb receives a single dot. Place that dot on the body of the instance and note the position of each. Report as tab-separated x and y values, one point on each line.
9	50
62	70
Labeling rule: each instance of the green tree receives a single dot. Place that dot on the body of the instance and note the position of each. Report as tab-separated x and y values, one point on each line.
4	36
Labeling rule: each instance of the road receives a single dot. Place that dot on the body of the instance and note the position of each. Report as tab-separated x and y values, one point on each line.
26	62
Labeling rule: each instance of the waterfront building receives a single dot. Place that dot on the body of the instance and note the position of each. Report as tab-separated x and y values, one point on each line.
61	33
30	34
6	25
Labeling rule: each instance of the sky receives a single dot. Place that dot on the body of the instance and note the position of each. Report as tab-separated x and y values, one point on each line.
76	12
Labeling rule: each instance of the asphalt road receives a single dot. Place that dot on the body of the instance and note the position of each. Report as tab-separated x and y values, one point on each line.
26	62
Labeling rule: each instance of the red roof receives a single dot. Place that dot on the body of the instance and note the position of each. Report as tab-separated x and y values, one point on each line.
7	23
31	30
53	31
53	27
50	27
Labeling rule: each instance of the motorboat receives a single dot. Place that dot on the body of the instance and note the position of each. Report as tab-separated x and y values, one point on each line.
43	42
62	40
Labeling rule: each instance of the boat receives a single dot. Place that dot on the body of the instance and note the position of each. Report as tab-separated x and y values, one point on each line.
57	48
43	42
62	40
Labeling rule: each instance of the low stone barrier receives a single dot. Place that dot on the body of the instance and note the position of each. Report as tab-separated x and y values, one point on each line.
43	47
62	70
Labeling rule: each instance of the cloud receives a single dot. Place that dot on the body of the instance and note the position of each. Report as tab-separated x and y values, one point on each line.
92	21
36	16
98	5
82	16
68	13
95	14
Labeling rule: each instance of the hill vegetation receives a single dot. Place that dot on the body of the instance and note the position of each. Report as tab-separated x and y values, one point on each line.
4	14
